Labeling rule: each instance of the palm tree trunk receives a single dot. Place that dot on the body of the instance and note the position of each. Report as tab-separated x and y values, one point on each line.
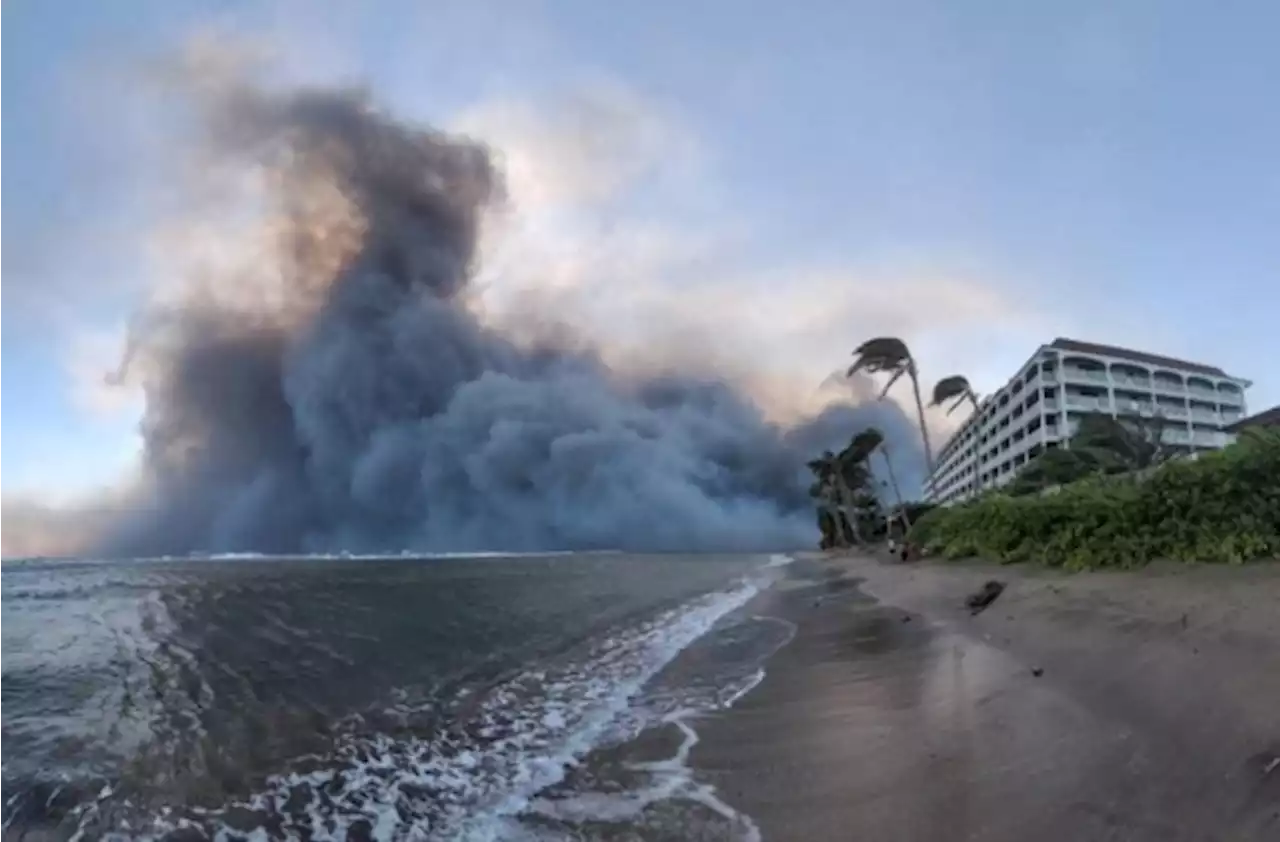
832	504
846	499
893	483
924	427
837	530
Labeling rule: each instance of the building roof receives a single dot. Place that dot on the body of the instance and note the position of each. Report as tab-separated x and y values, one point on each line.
1136	356
1265	418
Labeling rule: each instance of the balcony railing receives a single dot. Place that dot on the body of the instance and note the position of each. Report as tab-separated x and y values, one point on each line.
1202	392
1204	415
1132	382
1087	402
1175	386
1230	398
1135	407
1175	411
1087	374
1176	435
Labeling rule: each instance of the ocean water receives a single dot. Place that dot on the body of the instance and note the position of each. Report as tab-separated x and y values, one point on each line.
371	698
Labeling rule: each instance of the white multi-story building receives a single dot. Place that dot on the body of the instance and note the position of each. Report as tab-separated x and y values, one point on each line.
1041	406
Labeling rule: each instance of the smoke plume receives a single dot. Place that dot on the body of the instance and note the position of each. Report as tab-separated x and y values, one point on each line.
342	392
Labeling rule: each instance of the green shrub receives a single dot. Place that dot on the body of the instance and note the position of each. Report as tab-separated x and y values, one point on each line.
1222	507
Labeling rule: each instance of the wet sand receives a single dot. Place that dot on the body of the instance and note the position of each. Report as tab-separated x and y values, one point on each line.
1108	706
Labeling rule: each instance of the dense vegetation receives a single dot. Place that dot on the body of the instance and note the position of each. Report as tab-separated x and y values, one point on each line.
1222	507
1101	445
851	502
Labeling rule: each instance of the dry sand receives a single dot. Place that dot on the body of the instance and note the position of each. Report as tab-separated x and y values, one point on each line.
1103	706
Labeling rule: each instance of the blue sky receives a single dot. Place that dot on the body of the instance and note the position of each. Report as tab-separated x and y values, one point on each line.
978	176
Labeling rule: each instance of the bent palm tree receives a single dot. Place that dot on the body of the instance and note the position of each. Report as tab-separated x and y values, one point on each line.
863	445
860	450
956	389
890	355
823	491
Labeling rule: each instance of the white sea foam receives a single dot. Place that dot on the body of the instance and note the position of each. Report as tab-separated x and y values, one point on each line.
667	779
779	560
672	778
468	785
520	739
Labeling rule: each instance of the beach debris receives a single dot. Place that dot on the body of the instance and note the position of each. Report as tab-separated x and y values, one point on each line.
1037	671
978	601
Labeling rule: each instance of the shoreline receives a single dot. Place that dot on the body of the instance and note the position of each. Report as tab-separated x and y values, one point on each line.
1130	705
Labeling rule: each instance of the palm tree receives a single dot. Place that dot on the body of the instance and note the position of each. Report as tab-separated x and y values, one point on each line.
842	482
826	490
890	355
897	492
868	442
863	445
956	389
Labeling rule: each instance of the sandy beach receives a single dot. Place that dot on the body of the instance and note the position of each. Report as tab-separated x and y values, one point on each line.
1105	706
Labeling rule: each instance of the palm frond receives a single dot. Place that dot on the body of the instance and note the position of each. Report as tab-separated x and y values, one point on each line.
955	386
881	354
894	379
864	443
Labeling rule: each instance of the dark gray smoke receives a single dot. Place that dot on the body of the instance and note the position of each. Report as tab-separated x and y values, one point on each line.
359	404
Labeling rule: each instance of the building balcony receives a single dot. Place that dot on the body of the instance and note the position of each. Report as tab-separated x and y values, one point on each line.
1131	382
1174	387
1086	375
1176	435
1205	415
1087	402
1229	398
1145	408
1208	438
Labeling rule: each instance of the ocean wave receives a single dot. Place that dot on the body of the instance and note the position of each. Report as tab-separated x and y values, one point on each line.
632	794
506	745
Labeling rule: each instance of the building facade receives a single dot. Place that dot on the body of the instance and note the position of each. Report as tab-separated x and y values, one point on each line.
1041	406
